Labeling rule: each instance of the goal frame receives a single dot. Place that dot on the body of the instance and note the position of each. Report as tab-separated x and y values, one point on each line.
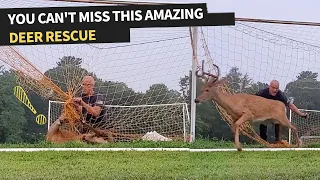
186	117
290	119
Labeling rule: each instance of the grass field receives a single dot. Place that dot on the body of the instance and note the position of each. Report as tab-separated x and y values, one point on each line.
135	144
157	164
198	144
160	165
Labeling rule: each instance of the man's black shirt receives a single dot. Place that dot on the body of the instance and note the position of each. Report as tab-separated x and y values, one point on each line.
94	100
279	96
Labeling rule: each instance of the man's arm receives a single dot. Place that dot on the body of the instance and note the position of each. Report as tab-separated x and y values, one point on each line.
296	110
78	107
290	104
95	110
283	98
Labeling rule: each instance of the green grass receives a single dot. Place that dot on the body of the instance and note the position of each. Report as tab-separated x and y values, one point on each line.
138	144
198	144
160	165
157	165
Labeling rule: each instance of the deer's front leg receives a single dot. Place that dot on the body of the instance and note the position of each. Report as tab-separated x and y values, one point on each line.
245	117
233	128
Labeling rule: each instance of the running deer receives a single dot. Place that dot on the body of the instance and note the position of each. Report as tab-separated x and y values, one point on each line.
243	107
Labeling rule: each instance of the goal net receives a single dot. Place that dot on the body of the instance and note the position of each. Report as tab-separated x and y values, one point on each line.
256	51
308	130
162	122
154	68
145	82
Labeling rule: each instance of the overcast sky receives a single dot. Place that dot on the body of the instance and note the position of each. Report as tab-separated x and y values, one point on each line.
264	51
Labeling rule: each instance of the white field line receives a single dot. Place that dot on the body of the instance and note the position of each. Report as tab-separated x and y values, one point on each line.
89	149
152	149
256	149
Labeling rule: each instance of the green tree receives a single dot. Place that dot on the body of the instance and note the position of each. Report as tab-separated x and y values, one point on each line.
68	73
12	118
305	90
234	80
239	83
117	93
160	94
33	131
69	60
185	87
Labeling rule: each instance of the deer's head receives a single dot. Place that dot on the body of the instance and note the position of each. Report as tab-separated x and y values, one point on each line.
211	87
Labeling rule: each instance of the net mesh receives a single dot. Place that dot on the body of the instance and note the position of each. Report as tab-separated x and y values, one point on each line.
146	71
309	131
251	54
30	78
133	122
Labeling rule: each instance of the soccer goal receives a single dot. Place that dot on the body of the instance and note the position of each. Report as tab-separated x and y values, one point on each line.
308	129
148	82
169	120
148	79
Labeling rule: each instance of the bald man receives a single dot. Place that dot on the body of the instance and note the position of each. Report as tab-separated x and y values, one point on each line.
273	92
90	104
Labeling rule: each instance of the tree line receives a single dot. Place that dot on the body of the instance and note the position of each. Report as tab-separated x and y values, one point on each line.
17	123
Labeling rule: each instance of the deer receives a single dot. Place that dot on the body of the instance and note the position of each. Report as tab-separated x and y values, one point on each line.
242	107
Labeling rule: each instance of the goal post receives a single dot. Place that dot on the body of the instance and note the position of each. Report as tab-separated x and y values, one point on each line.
308	129
194	39
169	120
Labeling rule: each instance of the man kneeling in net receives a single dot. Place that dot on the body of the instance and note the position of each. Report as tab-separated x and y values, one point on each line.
90	105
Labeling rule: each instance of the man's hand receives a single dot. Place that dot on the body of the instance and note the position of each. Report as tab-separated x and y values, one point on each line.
304	115
296	110
77	101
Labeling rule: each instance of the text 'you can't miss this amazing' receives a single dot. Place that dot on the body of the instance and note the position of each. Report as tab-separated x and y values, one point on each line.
99	24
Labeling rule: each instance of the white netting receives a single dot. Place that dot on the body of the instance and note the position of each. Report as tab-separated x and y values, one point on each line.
146	71
251	54
309	130
147	122
263	51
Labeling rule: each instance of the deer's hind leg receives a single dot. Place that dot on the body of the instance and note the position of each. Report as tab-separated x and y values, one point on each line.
285	122
246	116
